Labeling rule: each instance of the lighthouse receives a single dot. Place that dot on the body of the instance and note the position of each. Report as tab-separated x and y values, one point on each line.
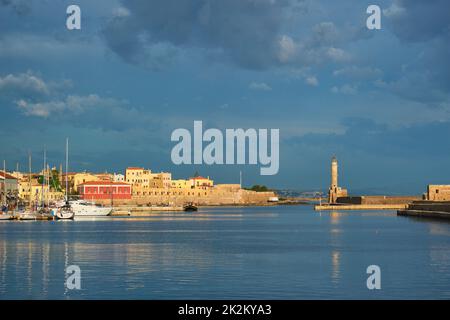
335	191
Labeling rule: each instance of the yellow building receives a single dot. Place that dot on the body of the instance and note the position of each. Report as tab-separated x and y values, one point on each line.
82	177
142	180
201	182
38	192
181	184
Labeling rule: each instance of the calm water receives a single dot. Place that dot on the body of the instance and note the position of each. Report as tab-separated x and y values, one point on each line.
286	252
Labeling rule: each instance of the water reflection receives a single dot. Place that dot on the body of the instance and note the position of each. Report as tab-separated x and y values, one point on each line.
286	252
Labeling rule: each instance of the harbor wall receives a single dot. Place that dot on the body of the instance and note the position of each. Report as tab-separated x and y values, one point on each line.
377	200
223	195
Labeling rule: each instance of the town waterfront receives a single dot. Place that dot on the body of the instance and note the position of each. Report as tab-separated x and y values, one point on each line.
276	252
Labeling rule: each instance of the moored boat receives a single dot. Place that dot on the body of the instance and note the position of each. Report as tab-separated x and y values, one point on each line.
26	215
6	216
190	207
65	213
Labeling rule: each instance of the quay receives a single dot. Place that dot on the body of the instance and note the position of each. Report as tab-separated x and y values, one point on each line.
360	207
142	210
427	209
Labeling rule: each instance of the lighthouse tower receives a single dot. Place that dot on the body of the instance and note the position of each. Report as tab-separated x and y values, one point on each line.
335	191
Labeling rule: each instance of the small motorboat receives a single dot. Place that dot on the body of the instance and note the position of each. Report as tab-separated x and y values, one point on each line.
190	207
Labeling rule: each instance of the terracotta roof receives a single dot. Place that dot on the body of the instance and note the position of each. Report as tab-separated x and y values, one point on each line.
8	176
100	183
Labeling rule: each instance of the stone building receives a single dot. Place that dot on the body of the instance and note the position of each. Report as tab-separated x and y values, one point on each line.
437	192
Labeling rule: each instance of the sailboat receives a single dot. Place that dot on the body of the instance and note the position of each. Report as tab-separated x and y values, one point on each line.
4	215
65	212
44	212
28	214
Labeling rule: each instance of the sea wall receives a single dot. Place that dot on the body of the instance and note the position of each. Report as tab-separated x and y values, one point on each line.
218	195
377	200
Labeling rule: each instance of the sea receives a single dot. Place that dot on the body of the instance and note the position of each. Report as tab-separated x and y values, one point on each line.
271	252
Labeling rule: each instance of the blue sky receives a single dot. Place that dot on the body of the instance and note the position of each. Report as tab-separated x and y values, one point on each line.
377	99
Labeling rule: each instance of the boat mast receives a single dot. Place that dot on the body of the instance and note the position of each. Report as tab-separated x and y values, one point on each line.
48	184
43	179
29	176
67	166
4	182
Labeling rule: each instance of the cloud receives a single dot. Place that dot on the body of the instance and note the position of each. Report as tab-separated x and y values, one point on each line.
359	73
251	34
24	84
338	55
72	104
49	100
366	135
261	86
416	20
345	89
312	81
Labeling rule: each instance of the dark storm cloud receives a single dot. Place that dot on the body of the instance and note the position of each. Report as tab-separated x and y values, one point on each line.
418	20
248	31
427	79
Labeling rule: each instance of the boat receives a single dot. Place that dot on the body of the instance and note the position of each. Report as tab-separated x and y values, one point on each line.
45	213
84	208
65	212
26	215
190	207
6	216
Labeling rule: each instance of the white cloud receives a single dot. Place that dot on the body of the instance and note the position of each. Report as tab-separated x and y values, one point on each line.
362	73
338	55
393	11
262	86
345	89
287	49
73	104
24	83
312	81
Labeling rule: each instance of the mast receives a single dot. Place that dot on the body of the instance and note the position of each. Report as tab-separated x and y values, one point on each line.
67	168
29	176
48	184
4	182
43	179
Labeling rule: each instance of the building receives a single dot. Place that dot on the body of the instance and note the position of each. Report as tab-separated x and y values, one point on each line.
142	180
105	176
82	177
101	190
39	193
335	191
118	177
201	182
9	184
181	184
161	180
438	192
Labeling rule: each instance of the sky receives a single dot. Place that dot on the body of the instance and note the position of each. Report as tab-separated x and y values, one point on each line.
378	100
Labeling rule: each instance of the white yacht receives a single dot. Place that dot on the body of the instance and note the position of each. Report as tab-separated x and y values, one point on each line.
83	208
